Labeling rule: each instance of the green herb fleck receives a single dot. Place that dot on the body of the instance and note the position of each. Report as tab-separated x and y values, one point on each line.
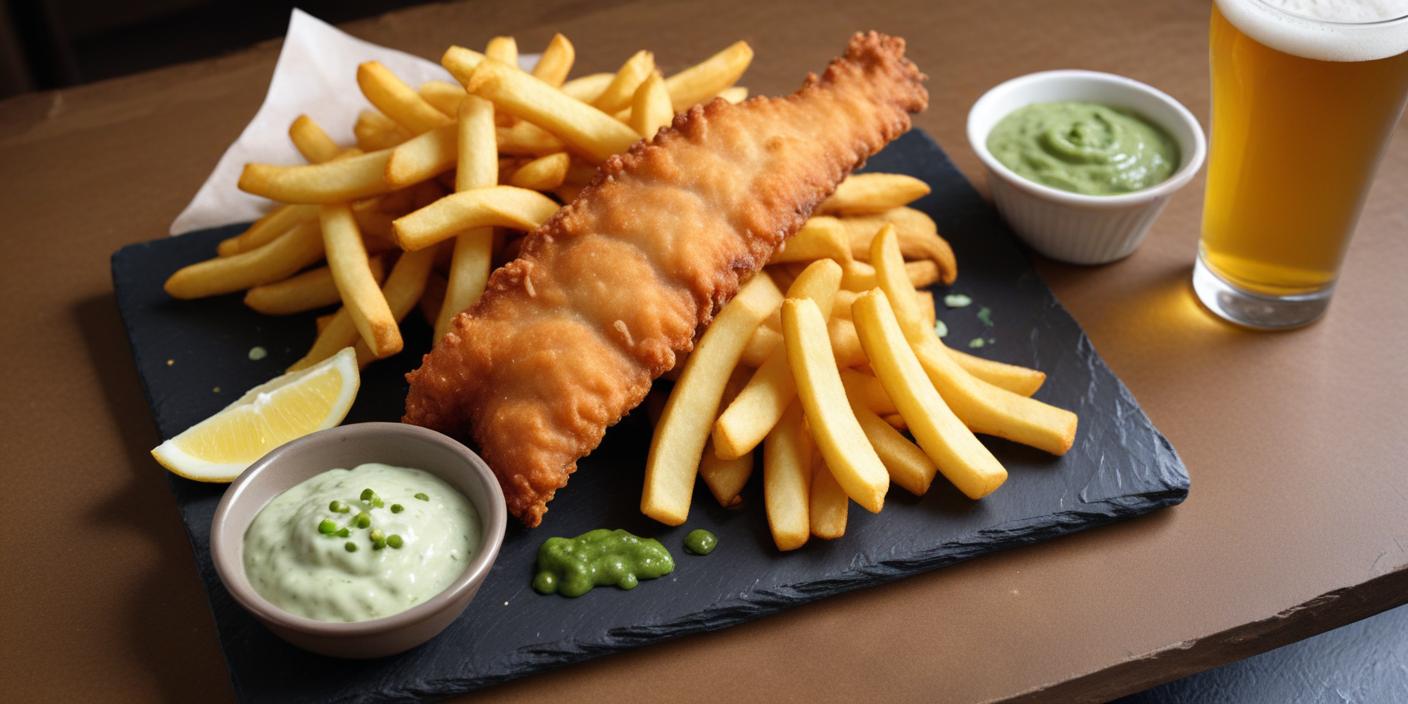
957	300
338	507
421	495
349	546
257	353
976	342
343	533
940	328
368	494
363	520
395	541
327	527
985	316
397	508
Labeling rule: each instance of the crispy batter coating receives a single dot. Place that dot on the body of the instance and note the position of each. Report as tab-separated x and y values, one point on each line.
568	337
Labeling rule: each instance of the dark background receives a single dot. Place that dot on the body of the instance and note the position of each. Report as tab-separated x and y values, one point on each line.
46	44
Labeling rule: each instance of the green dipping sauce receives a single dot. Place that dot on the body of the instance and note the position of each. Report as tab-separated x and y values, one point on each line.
700	541
1084	148
574	566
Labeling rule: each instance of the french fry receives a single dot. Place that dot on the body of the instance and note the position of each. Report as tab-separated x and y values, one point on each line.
960	457
542	174
919	238
321	322
584	128
684	427
527	139
503	49
338	181
787	476
868	194
587	88
375	131
497	206
748	419
556	61
310	290
443	96
984	408
406	282
709	77
734	94
866	391
311	141
397	100
650	107
860	276
422	157
907	464
761	345
828	503
619	93
279	221
472	259
351	270
273	261
845	343
1014	378
838	435
726	478
818	238
402	292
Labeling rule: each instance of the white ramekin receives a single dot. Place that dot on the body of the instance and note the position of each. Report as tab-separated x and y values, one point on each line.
1071	227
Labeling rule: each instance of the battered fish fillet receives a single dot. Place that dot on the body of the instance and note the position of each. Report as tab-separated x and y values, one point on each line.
568	337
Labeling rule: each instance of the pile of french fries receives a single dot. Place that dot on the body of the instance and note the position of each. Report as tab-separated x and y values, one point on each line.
829	377
442	180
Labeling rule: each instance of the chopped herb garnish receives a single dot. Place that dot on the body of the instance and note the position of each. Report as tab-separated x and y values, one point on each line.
985	315
368	494
363	520
343	533
397	508
338	507
349	546
940	328
976	342
957	300
327	527
421	495
395	541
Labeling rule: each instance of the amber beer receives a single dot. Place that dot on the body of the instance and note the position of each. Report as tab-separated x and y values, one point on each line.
1303	103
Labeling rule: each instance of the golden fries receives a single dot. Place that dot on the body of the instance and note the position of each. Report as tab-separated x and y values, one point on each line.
584	128
361	296
311	141
874	193
725	478
684	427
860	276
919	239
443	96
397	100
983	408
556	61
747	420
310	290
761	345
818	238
471	261
907	464
542	174
618	94
650	107
838	436
734	94
277	222
274	261
589	87
963	460
1018	380
338	181
406	282
375	131
503	49
787	476
828	502
497	206
403	289
422	157
709	77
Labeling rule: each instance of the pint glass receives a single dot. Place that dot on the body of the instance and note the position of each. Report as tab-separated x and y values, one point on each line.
1305	94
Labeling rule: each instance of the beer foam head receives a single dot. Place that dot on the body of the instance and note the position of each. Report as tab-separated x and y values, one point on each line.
1325	30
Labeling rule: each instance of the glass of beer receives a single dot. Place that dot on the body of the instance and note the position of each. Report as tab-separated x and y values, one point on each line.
1305	94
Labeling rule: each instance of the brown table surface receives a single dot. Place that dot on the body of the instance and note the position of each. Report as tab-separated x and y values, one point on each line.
1297	521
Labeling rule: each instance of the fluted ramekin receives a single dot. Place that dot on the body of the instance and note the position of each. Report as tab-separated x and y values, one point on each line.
1072	227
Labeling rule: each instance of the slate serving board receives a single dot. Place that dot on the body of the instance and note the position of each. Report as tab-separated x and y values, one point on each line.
193	358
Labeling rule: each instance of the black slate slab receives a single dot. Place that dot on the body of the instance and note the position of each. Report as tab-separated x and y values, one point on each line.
193	357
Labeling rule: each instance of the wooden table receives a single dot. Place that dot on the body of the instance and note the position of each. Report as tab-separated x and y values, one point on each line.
1297	521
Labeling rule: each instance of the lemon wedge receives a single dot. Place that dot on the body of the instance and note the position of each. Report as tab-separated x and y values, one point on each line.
218	448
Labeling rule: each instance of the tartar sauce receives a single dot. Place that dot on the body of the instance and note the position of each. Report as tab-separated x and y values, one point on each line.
359	544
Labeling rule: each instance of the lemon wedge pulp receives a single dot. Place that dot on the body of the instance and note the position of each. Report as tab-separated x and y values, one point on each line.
218	448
